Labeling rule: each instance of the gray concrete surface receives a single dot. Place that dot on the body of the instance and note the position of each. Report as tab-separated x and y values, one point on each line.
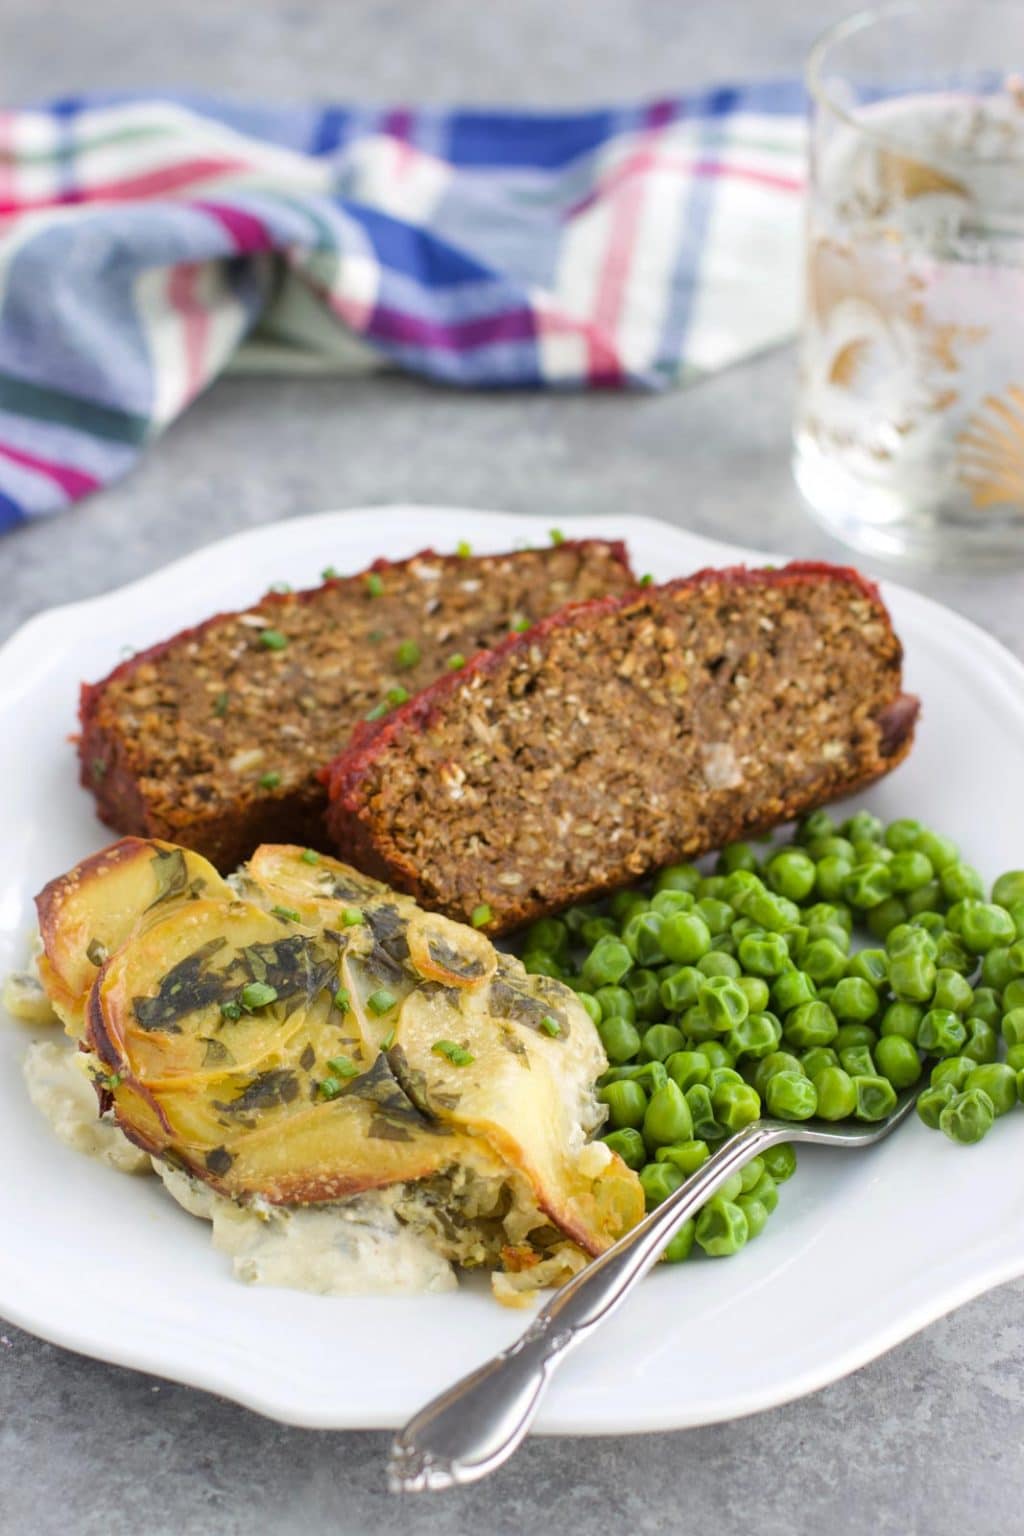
926	1441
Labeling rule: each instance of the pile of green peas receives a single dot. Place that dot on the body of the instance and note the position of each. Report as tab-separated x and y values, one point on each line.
722	996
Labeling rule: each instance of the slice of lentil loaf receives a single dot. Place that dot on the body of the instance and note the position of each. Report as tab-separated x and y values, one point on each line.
623	734
214	738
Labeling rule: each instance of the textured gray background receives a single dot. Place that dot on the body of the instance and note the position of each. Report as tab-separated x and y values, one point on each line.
929	1439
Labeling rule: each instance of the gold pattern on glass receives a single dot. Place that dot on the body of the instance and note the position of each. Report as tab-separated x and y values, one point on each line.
991	451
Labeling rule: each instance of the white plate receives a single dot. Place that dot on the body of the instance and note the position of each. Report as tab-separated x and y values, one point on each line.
863	1250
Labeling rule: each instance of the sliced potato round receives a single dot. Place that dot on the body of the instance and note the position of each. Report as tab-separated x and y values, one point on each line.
448	952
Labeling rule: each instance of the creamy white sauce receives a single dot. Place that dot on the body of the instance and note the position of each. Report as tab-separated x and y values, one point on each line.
61	1091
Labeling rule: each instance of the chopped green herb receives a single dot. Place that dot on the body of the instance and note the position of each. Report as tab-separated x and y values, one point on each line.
378	711
381	1001
374	585
329	1088
270	780
286	914
455	661
389	1039
557	536
550	1026
96	952
344	1066
646	580
329	573
98	768
463	549
481	915
407	655
351	916
342	1000
257	994
273	640
451	1051
375	636
398	695
309	856
220	704
280	587
112	1081
521	626
231	1010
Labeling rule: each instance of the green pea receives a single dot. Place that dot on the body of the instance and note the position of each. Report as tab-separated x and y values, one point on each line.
912	976
824	961
780	1165
597	928
702	1114
770	1066
997	968
942	1033
1013	1026
660	1041
933	923
952	954
952	1069
816	1058
927	898
623	904
679	987
814	824
1020	1082
968	1117
721	1228
756	991
771	912
791	989
658	1181
1015	1058
763	954
608	962
592	1006
751	1174
718	915
985	1004
886	916
985	926
643	987
687	1156
736	856
849	1035
791	1096
903	833
756	1215
837	1097
716	1053
713	885
791	873
620	1039
575	917
718	963
540	964
681	1246
627	1104
629	1144
688	1067
898	1061
909	870
756	1037
616	1003
665	903
938	849
870	965
982	1041
668	1117
854	1000
868	885
959	881
933	1101
862	825
642	937
1009	888
810	1024
736	1105
724	1002
831	875
952	991
550	935
697	1027
910	939
678	877
685	937
835	847
902	1019
958	911
999	1081
1013	994
858	1061
738	886
876	1097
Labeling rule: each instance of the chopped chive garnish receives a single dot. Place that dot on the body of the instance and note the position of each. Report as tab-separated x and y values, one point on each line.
481	915
342	1000
407	655
378	711
455	662
453	1052
231	1010
557	536
397	695
98	768
351	916
329	573
389	1039
375	636
286	914
309	856
646	580
381	1001
463	549
270	780
257	994
520	626
220	704
273	640
113	1081
343	1066
374	585
329	1088
550	1026
280	587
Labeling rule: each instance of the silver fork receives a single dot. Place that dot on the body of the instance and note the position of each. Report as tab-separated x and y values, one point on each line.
473	1427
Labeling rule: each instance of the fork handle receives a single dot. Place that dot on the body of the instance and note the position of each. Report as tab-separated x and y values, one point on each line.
475	1425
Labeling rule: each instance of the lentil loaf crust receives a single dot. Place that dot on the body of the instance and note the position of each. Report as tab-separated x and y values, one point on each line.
214	738
623	734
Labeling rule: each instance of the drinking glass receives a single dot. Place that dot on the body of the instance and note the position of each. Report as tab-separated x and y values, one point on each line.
909	437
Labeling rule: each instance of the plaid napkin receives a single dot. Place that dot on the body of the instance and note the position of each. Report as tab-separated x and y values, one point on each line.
147	244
